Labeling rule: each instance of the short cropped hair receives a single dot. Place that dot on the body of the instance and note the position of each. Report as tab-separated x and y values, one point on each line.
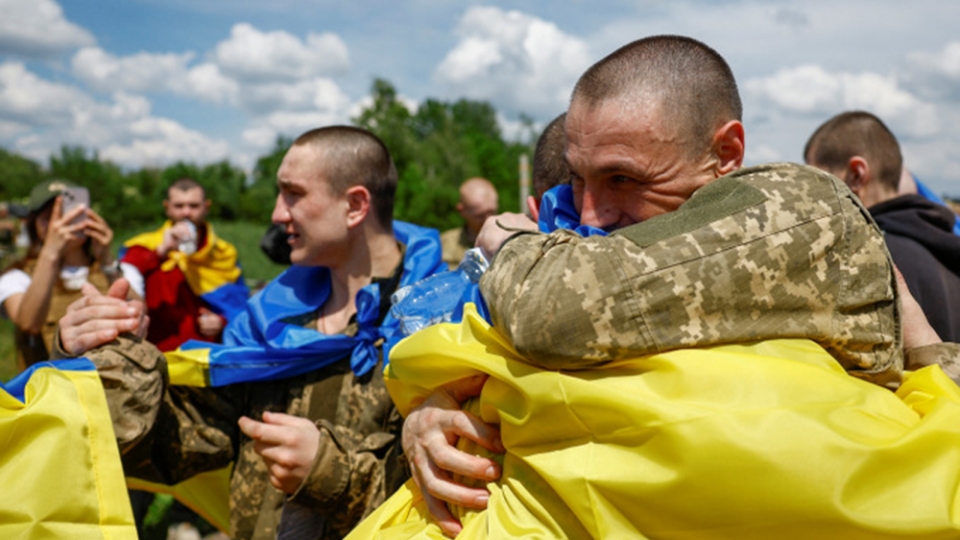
549	166
353	156
185	184
856	133
692	82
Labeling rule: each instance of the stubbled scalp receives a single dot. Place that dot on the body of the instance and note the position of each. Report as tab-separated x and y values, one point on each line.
352	156
691	82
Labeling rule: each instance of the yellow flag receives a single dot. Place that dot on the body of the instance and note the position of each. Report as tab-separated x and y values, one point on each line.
60	468
757	441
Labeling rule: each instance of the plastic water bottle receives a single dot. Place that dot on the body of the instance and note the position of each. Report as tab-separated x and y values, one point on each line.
434	300
188	245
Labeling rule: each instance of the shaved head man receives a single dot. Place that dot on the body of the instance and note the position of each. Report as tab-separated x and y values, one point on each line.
478	201
860	149
700	253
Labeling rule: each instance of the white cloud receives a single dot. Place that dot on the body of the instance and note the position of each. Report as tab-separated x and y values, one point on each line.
812	91
38	116
318	94
253	56
523	63
147	72
28	99
159	141
37	29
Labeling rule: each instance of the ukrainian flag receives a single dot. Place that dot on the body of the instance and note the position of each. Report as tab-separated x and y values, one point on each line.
211	272
59	463
757	441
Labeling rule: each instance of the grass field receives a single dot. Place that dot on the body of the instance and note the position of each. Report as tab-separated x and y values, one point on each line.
257	269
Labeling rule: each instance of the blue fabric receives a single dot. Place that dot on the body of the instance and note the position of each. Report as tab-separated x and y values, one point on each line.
228	300
258	345
929	195
16	386
557	211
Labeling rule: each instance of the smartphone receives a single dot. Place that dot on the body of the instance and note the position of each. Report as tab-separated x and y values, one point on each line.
72	198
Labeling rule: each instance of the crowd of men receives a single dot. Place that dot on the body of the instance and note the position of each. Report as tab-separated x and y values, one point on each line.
685	249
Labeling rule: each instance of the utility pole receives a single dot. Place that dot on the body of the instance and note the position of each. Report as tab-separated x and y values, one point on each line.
524	182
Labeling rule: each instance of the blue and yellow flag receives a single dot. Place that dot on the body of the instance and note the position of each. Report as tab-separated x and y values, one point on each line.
59	463
264	342
757	441
211	272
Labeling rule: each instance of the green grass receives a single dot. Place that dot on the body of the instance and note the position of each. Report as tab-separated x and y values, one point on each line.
257	269
8	353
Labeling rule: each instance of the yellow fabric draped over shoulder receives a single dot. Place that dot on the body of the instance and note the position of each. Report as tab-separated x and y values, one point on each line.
756	441
210	267
59	463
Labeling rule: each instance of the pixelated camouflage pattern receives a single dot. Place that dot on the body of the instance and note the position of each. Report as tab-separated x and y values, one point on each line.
170	433
946	355
802	260
454	244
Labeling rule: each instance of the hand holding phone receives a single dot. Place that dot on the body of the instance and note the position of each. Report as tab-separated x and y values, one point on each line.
72	198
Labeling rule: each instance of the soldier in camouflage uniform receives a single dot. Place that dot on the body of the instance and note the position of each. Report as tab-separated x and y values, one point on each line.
704	253
328	439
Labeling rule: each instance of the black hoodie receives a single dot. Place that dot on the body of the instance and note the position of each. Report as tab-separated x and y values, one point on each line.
919	235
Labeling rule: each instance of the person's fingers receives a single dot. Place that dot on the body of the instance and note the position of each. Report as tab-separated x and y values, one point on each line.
437	481
441	452
283	419
266	433
466	388
450	525
57	211
80	339
88	289
250	427
98	236
72	214
119	289
99	306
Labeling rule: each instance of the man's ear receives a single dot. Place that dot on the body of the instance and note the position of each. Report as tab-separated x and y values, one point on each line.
533	207
358	204
729	147
858	175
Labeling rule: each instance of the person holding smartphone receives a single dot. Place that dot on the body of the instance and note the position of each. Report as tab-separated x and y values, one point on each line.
69	246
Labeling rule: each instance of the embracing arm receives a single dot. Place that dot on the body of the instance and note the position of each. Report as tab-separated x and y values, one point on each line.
165	433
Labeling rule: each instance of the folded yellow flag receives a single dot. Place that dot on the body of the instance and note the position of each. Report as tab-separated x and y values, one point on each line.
766	440
60	467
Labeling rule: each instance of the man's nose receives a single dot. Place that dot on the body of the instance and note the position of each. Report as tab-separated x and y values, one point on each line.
597	210
280	212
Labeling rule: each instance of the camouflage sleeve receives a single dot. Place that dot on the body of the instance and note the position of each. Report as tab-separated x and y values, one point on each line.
947	355
773	252
353	474
166	434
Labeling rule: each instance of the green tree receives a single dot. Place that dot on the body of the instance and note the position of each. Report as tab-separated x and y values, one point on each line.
256	203
437	148
18	175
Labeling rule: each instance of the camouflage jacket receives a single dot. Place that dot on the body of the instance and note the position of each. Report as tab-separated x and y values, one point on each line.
170	433
777	251
455	243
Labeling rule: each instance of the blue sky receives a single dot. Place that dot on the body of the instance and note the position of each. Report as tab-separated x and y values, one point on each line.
148	82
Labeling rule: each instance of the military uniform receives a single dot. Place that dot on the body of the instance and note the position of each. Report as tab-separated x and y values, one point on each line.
170	433
777	251
455	243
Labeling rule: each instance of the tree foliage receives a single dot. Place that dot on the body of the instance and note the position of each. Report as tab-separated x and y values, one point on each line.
439	146
435	148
